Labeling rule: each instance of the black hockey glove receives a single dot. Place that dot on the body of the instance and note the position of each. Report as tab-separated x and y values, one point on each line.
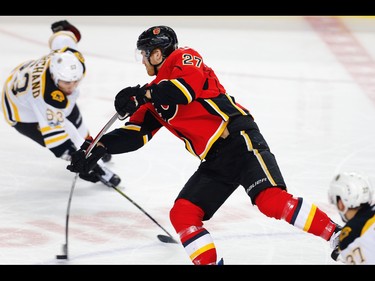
129	99
93	175
65	25
82	165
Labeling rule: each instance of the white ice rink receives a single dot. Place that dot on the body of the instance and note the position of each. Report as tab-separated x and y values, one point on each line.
308	81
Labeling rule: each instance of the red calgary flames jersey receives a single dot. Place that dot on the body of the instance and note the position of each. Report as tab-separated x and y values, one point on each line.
188	99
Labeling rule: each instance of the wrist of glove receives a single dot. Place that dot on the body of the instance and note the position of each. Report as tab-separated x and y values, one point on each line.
129	99
66	155
65	25
82	164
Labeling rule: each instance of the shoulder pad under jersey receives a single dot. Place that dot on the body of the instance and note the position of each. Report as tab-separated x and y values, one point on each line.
52	95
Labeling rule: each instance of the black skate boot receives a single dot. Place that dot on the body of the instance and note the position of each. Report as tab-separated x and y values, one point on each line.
65	25
106	176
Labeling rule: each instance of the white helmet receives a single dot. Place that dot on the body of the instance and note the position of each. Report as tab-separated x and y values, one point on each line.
352	188
66	67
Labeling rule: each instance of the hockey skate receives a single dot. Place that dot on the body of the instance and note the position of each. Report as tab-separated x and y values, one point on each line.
67	26
103	174
334	242
106	176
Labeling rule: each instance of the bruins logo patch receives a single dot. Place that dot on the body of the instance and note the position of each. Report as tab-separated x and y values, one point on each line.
57	96
57	99
345	232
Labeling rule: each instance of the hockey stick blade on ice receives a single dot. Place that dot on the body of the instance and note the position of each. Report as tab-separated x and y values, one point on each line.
64	256
166	239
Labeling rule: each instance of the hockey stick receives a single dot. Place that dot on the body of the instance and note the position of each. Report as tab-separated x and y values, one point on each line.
88	151
162	238
64	256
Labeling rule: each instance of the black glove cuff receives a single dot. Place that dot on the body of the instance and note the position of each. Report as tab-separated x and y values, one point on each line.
153	90
87	143
141	95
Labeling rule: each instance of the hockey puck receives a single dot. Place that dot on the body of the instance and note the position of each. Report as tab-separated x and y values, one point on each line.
61	257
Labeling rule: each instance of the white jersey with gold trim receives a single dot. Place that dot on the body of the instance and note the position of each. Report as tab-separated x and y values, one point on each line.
31	96
357	238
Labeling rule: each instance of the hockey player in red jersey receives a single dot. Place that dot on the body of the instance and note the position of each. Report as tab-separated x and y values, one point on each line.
187	98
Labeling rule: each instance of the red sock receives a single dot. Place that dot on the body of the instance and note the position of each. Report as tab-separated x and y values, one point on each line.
186	218
277	203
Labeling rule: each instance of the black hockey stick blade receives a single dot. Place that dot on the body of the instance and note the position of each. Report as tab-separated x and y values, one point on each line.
166	239
65	255
61	257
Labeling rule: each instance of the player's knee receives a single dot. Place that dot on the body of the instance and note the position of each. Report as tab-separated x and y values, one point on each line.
276	203
185	214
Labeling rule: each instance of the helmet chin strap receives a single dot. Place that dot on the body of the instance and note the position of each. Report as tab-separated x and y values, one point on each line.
156	65
55	80
342	214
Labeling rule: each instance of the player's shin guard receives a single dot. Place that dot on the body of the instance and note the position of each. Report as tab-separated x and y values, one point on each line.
186	218
199	245
279	204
